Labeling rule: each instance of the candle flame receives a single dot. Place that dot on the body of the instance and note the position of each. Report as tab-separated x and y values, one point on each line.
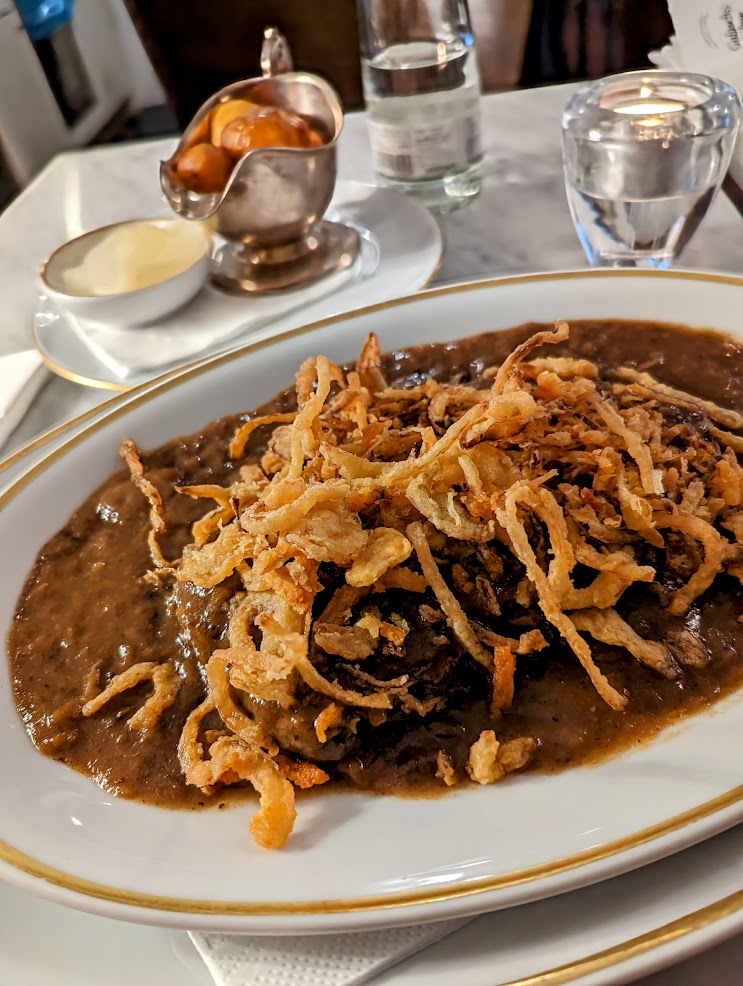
648	107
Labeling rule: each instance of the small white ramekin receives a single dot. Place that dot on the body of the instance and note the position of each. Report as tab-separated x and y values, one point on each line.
135	308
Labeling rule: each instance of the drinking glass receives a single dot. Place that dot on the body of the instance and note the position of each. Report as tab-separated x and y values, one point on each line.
422	94
644	155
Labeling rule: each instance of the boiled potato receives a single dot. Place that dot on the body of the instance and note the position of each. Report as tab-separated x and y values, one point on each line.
204	168
225	113
267	126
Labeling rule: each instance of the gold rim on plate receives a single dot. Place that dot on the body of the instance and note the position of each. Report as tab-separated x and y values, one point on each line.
423	292
636	946
353	905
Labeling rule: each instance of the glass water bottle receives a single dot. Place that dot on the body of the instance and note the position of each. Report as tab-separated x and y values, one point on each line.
422	92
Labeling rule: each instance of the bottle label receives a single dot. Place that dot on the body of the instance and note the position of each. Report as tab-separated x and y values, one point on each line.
424	152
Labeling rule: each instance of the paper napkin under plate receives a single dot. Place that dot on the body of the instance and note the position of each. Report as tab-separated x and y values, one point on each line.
21	376
313	960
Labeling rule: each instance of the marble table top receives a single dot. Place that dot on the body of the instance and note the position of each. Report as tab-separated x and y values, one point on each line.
520	222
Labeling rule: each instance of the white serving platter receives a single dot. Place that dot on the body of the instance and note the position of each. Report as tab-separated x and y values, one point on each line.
354	861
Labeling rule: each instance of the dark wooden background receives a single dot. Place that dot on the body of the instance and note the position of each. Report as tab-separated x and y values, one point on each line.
199	46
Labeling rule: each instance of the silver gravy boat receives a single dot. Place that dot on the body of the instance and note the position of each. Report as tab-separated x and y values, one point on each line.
269	213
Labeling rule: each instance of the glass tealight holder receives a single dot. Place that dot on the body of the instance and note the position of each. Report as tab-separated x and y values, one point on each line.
644	155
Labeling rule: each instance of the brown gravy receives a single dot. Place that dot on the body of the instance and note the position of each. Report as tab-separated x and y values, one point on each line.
85	606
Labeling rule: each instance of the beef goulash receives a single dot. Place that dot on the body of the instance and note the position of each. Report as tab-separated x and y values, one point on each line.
519	551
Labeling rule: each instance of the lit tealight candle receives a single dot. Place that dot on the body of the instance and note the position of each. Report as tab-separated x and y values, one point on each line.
638	181
648	107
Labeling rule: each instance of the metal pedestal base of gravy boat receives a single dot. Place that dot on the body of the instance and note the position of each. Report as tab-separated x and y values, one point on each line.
269	212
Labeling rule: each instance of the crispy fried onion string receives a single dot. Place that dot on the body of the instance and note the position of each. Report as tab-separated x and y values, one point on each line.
455	615
131	455
548	602
714	546
375	511
165	682
726	417
608	626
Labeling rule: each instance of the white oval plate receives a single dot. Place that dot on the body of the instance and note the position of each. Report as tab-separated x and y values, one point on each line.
354	861
607	934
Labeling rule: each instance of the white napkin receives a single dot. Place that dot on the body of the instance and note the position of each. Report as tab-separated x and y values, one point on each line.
313	960
708	39
21	376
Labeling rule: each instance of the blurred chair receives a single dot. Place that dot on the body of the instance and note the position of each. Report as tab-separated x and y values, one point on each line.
583	39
